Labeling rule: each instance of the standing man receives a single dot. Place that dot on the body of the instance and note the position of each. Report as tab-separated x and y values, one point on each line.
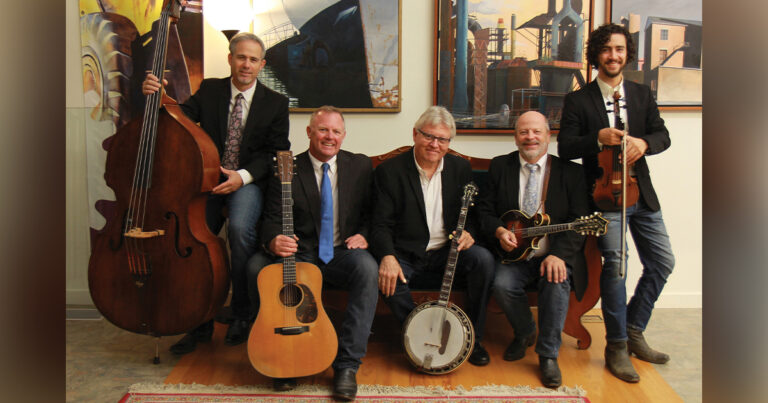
588	123
535	182
418	198
248	122
331	208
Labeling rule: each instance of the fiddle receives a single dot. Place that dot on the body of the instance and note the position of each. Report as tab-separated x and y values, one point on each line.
608	194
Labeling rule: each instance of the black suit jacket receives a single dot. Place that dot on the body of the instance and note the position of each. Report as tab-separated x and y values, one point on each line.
400	220
266	128
584	114
354	190
566	201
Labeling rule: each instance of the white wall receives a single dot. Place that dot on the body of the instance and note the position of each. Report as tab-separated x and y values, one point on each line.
676	173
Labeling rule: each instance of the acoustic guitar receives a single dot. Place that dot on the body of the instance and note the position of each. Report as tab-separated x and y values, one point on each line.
292	335
438	336
530	230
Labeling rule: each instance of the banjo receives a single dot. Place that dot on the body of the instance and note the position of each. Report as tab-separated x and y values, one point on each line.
438	336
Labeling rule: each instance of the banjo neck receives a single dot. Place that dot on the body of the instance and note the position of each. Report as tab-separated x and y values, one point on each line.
453	255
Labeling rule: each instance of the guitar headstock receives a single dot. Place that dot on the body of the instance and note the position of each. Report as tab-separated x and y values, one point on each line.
284	165
592	225
470	191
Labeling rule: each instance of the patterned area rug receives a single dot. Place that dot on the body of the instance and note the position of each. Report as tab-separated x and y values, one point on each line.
156	393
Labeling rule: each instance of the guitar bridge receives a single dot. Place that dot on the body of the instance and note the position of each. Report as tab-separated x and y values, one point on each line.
291	330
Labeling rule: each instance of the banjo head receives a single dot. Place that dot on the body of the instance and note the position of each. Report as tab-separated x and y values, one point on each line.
438	338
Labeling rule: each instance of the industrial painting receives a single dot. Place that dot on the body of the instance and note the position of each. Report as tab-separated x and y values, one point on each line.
496	59
669	47
344	53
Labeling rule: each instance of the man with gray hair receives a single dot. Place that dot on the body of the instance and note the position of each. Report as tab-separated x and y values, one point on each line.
418	199
248	122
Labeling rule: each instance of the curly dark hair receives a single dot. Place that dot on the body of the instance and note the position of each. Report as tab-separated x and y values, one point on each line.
599	37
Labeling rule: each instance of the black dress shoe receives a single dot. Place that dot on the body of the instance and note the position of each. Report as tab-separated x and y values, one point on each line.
550	372
237	332
345	384
516	349
283	384
479	356
188	343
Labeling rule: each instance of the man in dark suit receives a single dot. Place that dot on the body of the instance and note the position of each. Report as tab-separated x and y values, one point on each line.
335	238
588	124
248	122
535	182
418	198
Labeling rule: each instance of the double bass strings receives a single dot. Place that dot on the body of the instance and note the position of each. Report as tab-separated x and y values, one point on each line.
145	155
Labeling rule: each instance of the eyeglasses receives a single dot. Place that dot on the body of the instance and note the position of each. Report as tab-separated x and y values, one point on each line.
431	137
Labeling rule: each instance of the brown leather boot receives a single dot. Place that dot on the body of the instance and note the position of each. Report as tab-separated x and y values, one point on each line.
617	361
640	348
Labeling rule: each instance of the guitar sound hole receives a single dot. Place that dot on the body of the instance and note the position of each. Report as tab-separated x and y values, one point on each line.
291	295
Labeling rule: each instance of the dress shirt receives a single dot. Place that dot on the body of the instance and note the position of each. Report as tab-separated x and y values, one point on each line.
317	165
607	92
524	175
247	98
432	188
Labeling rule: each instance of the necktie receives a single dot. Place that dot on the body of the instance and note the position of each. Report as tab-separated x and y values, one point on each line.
530	198
231	158
326	217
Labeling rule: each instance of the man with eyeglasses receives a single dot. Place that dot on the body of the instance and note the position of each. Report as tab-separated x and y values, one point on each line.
248	122
418	197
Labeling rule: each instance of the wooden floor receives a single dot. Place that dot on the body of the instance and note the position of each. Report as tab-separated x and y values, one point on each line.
386	364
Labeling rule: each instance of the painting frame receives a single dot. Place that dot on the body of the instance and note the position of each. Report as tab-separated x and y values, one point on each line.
334	57
695	83
518	92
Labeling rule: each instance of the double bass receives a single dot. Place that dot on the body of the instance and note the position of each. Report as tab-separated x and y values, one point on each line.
156	268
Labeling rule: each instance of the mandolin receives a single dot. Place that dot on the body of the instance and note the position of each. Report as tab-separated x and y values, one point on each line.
530	230
438	336
292	335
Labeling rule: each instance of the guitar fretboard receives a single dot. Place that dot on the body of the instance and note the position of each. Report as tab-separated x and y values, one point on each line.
289	263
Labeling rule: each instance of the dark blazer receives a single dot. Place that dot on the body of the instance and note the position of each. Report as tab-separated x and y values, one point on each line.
354	188
266	128
566	201
584	114
400	219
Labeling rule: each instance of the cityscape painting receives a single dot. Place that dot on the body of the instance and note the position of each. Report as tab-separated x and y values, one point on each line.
496	59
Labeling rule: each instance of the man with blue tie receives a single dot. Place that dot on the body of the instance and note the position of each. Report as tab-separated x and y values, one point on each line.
331	209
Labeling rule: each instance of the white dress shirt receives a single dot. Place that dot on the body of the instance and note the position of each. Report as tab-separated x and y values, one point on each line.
432	188
524	175
317	165
247	98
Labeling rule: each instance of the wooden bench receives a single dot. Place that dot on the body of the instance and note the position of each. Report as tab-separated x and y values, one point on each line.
337	299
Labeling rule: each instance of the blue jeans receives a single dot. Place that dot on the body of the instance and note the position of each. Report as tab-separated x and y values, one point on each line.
353	270
475	267
655	252
244	209
509	291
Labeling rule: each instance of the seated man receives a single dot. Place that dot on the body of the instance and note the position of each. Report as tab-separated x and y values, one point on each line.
331	207
418	198
535	182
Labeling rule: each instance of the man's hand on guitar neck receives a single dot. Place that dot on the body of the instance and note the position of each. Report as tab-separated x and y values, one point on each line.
284	246
507	239
554	268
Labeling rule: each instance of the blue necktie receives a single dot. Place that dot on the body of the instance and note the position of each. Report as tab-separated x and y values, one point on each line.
326	217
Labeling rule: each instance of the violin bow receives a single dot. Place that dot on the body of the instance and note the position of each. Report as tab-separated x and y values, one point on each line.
617	116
